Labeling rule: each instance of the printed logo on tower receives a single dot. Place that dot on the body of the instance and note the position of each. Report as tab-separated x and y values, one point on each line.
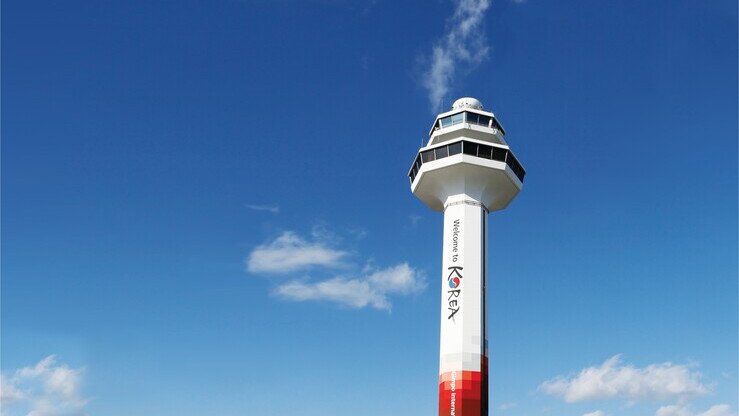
454	279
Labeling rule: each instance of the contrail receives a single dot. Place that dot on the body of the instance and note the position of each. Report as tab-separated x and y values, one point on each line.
463	43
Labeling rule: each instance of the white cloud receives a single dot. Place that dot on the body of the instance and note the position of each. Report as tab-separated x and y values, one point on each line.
273	208
613	380
46	389
718	410
595	413
463	43
369	286
680	410
9	393
369	290
673	410
289	252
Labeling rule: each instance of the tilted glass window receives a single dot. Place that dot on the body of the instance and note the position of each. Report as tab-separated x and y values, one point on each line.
470	148
484	151
516	167
455	148
499	154
457	118
483	121
441	152
427	156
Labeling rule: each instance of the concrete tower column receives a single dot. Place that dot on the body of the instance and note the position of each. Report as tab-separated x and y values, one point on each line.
463	339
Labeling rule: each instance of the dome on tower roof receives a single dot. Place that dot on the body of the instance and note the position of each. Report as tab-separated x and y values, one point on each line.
467	102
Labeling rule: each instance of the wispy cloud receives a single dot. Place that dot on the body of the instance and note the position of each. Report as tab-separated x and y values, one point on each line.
414	219
507	406
289	252
595	413
273	208
45	389
464	43
673	410
613	380
681	410
368	290
718	410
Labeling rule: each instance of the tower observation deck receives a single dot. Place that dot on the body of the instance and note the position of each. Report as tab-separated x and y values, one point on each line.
466	170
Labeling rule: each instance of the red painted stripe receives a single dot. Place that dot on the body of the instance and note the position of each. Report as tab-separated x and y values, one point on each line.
464	393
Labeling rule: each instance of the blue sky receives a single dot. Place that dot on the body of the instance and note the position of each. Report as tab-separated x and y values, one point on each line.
205	207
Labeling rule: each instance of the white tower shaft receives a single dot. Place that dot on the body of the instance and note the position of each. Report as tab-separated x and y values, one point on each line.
463	339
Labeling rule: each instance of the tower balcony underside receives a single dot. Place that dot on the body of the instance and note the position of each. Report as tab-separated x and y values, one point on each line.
491	182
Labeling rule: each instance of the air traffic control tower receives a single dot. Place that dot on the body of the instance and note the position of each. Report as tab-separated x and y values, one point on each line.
466	170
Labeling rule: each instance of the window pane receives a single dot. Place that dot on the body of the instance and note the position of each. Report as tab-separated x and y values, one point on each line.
484	151
499	154
427	156
515	167
446	121
471	118
470	148
484	121
455	148
441	152
457	118
418	162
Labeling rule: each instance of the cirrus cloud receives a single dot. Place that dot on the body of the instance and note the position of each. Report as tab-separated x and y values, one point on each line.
463	43
272	208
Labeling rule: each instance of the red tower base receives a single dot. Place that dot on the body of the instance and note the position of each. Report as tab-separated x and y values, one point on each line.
464	393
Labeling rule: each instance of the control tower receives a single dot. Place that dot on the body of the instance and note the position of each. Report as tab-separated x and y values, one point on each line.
466	170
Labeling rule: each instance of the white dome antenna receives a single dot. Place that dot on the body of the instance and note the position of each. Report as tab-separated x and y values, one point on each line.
467	102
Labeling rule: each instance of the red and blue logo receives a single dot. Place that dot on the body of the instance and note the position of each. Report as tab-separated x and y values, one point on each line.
455	280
